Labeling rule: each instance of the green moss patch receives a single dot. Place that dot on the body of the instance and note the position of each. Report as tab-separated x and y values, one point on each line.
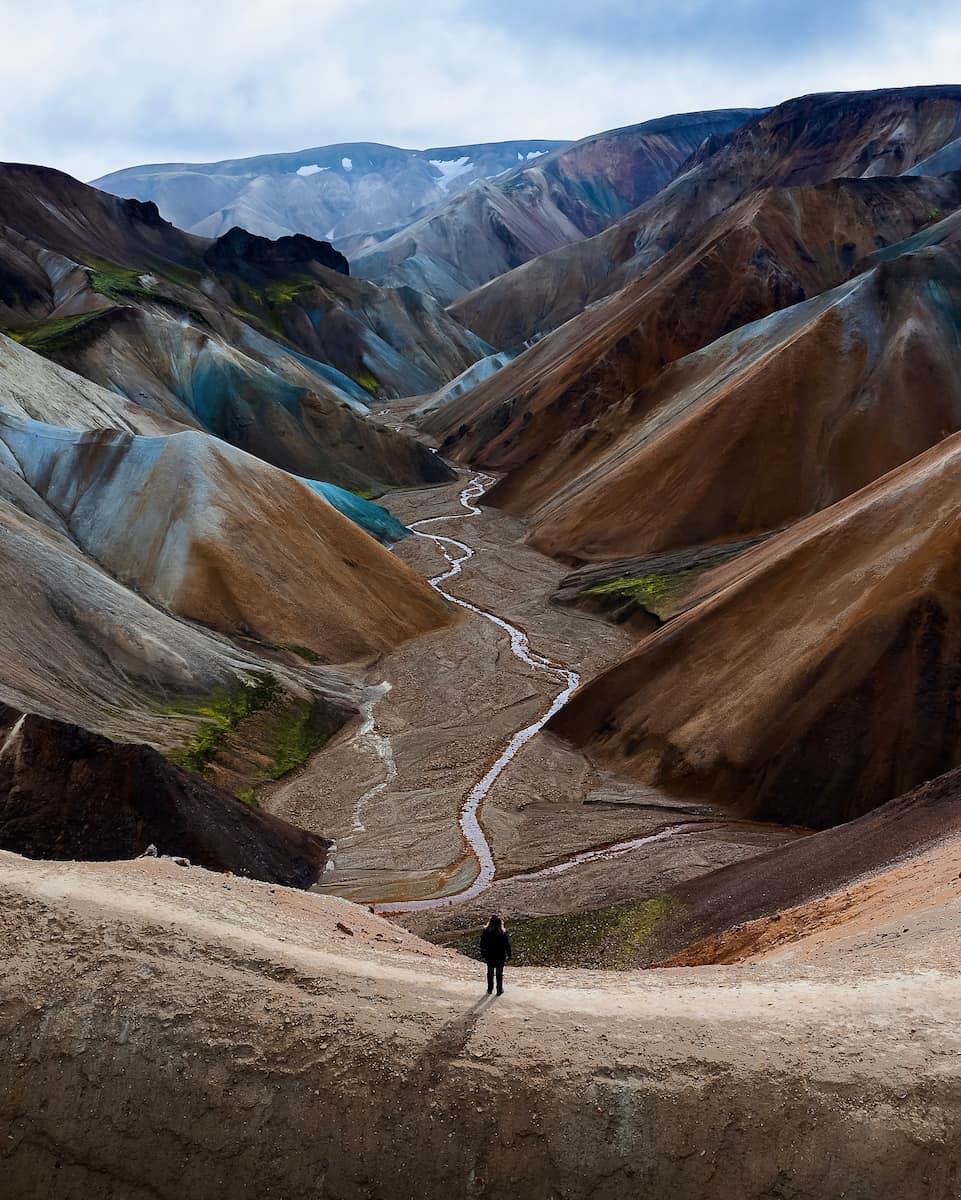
55	334
285	291
220	714
253	733
370	383
114	282
608	938
656	592
294	737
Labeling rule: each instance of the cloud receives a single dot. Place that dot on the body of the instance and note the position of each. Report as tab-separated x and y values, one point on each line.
94	87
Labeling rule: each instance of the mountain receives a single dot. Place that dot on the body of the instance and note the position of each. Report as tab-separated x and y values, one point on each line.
561	198
191	522
269	345
69	794
814	677
805	141
327	192
564	408
845	369
115	545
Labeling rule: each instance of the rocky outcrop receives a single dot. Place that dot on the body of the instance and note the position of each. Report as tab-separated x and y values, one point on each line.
258	258
66	793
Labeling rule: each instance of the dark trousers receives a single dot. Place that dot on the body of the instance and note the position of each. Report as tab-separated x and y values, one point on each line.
493	968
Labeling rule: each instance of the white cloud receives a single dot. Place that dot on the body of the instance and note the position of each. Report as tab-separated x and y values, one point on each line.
110	83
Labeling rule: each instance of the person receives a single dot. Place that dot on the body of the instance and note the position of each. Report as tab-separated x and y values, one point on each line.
495	948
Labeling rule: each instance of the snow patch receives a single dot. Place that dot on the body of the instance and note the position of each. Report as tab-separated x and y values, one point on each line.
347	164
312	169
451	168
535	154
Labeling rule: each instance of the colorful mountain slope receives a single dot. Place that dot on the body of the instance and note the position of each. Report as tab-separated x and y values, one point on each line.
192	524
775	420
561	407
812	678
189	328
808	140
562	198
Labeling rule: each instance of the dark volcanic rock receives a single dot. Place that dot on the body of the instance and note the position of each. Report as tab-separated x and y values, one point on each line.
245	253
66	793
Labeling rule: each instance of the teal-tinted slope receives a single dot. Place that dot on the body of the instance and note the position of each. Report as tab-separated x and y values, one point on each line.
372	518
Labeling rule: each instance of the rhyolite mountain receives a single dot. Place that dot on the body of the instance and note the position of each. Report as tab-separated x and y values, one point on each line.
272	346
560	198
163	586
752	227
328	192
808	140
811	678
558	416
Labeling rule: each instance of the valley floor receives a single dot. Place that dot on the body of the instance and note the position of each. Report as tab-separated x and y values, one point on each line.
390	788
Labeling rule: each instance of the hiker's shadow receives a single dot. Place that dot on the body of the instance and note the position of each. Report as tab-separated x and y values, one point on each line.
448	1044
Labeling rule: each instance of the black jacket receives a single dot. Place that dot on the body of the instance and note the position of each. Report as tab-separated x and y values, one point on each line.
495	946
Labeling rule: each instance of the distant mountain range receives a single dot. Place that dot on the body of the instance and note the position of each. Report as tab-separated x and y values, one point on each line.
444	220
328	192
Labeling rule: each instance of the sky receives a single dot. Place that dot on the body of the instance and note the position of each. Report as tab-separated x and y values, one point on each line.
92	87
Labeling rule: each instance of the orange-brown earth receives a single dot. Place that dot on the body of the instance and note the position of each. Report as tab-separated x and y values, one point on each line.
547	417
807	140
811	678
904	852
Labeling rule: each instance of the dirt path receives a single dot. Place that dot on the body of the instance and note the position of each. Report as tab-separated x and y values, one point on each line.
140	1002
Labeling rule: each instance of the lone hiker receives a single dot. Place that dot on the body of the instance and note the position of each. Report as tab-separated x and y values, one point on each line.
495	948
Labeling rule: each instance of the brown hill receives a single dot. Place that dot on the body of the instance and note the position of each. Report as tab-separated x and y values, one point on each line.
791	893
775	420
812	678
192	524
80	647
549	415
808	140
67	793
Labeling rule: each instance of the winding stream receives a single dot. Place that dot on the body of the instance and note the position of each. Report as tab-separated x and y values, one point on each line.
457	553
